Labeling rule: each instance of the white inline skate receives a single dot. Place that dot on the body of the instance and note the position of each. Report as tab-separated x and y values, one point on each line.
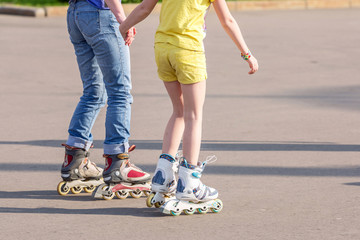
191	194
122	178
78	172
163	185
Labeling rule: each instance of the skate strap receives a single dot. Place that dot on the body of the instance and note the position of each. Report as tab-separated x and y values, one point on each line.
184	163
131	148
68	147
167	157
123	156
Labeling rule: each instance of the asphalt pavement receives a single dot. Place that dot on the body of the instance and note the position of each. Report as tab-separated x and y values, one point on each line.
287	139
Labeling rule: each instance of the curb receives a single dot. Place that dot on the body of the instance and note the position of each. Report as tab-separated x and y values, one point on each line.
23	11
233	6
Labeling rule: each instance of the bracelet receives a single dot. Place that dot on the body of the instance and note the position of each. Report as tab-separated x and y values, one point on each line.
246	56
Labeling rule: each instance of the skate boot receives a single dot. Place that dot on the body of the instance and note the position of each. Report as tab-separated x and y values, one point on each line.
191	193
122	178
163	185
78	172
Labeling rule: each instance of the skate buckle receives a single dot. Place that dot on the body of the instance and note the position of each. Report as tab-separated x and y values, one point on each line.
196	174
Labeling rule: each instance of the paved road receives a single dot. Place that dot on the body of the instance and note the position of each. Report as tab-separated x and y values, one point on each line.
287	139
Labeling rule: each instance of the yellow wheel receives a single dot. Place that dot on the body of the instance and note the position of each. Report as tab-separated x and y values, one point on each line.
108	196
189	212
147	193
122	194
62	189
136	194
148	200
76	190
89	189
157	204
217	206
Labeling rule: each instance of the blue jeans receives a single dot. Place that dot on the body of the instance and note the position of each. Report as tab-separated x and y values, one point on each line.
104	64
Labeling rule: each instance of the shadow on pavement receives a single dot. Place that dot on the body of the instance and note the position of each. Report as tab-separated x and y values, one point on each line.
353	184
345	171
209	145
45	194
52	195
122	211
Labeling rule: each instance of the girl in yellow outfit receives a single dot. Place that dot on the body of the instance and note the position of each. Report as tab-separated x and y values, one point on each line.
179	54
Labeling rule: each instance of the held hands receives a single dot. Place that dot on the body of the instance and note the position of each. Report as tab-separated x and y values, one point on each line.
128	36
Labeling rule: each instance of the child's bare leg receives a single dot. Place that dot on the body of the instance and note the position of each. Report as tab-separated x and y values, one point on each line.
175	126
194	96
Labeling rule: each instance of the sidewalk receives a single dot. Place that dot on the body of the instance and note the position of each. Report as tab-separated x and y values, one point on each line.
287	139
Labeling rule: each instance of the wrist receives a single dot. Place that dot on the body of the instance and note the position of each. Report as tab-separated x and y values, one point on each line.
246	56
120	19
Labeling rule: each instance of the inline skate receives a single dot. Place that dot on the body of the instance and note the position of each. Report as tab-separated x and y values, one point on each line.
191	194
78	172
163	184
122	178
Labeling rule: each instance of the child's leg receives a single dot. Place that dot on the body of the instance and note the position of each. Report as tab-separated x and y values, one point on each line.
194	96
175	126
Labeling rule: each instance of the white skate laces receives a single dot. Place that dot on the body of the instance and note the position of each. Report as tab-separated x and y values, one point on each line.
90	169
201	165
176	164
209	159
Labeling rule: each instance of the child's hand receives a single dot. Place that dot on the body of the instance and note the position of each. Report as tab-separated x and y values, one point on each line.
128	36
253	64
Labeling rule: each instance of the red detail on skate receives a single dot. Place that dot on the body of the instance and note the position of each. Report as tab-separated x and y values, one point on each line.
108	162
135	174
131	148
67	160
119	187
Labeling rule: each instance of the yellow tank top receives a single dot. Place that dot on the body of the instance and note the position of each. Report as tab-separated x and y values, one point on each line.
182	23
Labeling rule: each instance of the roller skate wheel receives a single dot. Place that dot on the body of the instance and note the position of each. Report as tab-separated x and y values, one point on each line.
157	204
107	197
149	199
218	205
136	193
202	210
76	190
62	189
122	194
89	189
147	193
189	211
175	213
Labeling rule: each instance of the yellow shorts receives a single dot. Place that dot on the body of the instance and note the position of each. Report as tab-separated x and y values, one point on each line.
178	64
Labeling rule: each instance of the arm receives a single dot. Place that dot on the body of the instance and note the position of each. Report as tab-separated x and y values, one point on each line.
232	29
118	11
137	15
